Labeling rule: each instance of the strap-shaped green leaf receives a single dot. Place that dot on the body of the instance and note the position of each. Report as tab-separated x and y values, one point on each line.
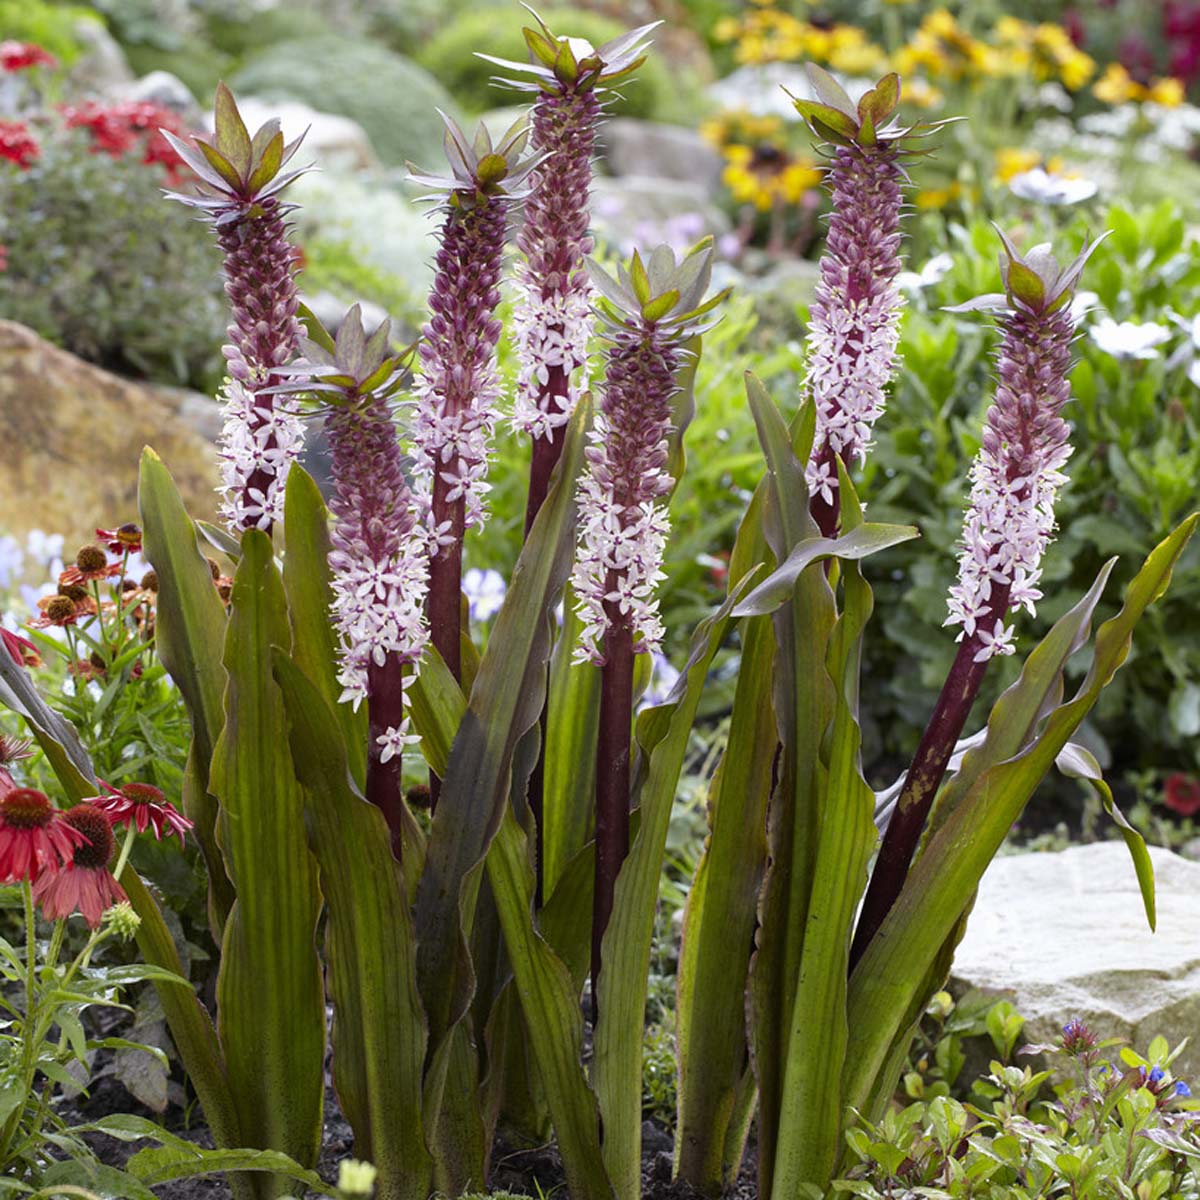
270	992
944	878
810	1122
662	737
306	580
804	700
722	904
569	768
189	633
370	949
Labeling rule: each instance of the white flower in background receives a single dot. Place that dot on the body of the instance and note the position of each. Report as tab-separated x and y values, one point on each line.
12	561
485	593
1042	187
663	678
1189	352
934	271
1129	339
1083	305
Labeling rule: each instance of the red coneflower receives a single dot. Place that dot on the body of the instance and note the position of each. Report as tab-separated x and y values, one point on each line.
20	56
1181	794
17	144
63	609
125	539
87	885
21	650
34	836
142	806
90	563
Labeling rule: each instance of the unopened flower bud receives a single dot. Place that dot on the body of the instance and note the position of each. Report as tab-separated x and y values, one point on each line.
356	1178
122	920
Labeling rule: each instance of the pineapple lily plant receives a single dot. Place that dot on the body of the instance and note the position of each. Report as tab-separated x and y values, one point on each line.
455	947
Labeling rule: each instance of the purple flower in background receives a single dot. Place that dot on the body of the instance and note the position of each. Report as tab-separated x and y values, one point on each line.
239	184
485	591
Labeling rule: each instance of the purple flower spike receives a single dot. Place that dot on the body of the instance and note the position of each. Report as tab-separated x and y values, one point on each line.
1008	526
552	316
240	178
855	316
652	312
1018	470
378	559
457	389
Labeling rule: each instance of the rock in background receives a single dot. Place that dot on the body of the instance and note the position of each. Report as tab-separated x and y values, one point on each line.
1064	935
73	435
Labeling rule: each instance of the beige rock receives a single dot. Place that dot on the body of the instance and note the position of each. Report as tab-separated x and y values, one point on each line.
72	435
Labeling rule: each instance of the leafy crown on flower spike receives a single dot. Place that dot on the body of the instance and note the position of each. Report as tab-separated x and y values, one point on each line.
235	169
479	169
661	292
560	63
835	118
351	365
1033	282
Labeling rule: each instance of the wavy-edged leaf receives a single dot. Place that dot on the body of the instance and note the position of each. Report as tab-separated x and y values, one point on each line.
505	702
270	991
804	701
306	580
810	1122
1078	762
662	739
189	634
722	903
370	947
944	878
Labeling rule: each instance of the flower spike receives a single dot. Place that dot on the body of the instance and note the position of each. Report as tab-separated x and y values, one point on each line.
378	555
855	320
240	179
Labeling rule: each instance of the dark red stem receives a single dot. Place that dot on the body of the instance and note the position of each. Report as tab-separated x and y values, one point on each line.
445	594
385	709
612	778
923	780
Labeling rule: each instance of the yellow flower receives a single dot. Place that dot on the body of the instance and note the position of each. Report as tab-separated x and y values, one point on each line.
1117	86
1013	160
932	198
727	29
1167	92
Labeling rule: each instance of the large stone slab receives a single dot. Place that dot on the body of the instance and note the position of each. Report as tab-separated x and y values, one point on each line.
655	151
72	436
1064	935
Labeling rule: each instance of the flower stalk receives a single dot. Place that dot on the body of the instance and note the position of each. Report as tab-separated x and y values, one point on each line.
855	315
240	179
568	78
1009	523
378	557
457	390
653	315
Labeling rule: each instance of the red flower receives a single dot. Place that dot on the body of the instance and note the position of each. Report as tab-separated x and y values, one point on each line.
17	144
118	128
3	257
18	56
35	837
1181	794
21	650
127	537
143	806
86	885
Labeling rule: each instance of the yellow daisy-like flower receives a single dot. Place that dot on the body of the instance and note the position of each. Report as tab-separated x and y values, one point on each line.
1015	160
1117	86
765	175
1167	91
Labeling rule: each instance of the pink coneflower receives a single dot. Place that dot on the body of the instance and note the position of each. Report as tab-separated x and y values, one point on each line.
125	539
1181	794
34	836
142	806
86	885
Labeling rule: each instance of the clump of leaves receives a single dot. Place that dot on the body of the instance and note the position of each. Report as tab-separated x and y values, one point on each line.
1093	1124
